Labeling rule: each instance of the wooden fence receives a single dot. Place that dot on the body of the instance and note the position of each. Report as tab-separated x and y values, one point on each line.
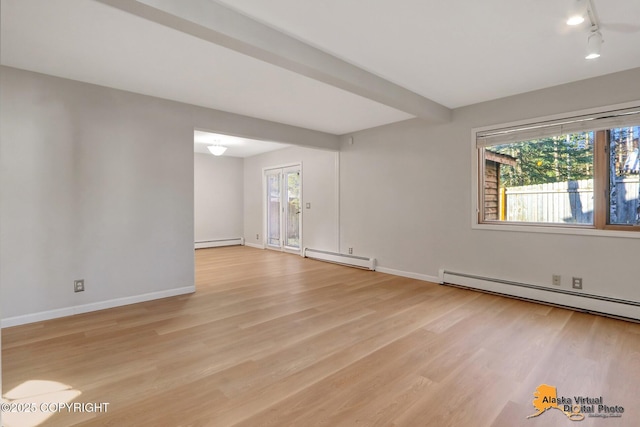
627	202
568	202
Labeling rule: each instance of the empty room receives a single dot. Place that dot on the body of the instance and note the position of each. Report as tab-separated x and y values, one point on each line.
337	213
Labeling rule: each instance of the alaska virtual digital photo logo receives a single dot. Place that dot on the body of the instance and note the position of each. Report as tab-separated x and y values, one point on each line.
546	397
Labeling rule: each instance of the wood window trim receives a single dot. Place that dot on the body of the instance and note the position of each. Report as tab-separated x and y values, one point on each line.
601	180
601	186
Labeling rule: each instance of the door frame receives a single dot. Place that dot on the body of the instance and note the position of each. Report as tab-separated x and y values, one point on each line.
282	247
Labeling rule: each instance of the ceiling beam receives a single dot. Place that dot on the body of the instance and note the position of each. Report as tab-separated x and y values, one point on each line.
226	27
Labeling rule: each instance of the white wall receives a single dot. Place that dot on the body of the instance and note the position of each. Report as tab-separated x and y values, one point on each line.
405	198
98	184
218	196
319	187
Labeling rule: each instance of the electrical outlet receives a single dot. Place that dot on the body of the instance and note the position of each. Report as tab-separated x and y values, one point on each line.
308	205
350	251
556	279
78	285
577	283
257	236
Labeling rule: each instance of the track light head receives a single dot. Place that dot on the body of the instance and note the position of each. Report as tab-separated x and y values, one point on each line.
577	13
575	20
594	43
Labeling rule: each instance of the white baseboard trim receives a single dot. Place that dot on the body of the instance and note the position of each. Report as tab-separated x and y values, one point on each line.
218	243
254	245
596	304
95	306
340	258
417	276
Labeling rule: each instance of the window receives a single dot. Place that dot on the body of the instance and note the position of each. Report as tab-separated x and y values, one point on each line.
578	172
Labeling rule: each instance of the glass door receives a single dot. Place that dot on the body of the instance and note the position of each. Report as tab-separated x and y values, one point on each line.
283	209
274	198
293	208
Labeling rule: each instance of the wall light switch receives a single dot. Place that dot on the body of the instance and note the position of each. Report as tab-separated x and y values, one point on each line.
308	205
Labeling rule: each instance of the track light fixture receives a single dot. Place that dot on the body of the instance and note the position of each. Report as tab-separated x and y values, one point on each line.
582	10
577	13
594	42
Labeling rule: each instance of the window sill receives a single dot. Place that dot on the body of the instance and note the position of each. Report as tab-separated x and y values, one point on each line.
567	230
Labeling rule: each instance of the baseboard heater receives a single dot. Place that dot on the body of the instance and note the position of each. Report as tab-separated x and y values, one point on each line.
581	301
338	258
202	244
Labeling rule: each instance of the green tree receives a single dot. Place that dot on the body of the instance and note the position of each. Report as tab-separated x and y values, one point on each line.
547	160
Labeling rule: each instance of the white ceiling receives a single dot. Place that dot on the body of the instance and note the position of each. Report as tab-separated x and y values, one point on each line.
236	147
455	53
460	52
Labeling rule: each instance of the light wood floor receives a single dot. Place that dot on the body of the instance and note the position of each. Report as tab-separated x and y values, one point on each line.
271	339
